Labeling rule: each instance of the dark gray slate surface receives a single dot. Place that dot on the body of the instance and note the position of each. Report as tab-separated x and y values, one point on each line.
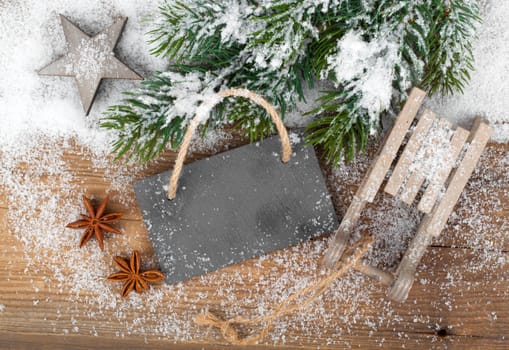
234	206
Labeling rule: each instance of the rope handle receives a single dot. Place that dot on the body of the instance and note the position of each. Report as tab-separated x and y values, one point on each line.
286	148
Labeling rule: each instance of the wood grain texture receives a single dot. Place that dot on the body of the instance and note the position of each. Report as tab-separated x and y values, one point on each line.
477	317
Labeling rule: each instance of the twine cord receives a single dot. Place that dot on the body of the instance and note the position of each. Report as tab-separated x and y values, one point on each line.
286	149
227	330
289	305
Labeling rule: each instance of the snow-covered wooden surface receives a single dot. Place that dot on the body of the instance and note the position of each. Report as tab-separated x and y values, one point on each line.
460	298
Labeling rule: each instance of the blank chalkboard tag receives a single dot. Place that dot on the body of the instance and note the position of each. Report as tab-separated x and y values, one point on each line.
234	206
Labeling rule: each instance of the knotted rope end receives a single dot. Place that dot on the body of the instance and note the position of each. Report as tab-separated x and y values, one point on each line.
171	196
286	157
225	327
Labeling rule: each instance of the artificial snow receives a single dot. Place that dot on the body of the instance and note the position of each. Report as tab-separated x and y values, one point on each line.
234	29
92	58
31	37
41	119
371	66
486	94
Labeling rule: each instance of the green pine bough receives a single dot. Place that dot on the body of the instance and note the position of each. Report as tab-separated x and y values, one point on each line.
371	53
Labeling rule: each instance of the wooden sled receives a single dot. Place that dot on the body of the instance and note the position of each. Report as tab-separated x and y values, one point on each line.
434	165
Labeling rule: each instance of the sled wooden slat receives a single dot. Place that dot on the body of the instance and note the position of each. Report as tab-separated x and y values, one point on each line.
479	136
431	193
383	161
400	172
412	187
433	141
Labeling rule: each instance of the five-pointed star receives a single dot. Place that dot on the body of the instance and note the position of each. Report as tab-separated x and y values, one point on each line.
90	59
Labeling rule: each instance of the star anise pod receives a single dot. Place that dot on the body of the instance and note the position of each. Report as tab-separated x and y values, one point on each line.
95	222
131	276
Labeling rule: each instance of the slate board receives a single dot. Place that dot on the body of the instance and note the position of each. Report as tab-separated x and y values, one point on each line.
234	206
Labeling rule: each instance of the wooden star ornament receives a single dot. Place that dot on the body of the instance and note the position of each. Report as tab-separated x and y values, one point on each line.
90	59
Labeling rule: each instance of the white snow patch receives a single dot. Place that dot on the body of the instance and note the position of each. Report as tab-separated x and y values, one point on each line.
486	94
235	28
32	37
371	65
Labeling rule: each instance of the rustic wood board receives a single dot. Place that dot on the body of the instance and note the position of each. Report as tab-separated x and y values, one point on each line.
479	317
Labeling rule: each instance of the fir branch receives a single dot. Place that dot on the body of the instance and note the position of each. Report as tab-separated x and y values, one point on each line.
252	121
451	59
372	51
156	115
185	29
342	130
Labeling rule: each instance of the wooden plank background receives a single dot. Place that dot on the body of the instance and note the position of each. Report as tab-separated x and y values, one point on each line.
479	318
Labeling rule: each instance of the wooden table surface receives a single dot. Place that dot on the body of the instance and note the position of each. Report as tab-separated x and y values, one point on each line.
469	312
